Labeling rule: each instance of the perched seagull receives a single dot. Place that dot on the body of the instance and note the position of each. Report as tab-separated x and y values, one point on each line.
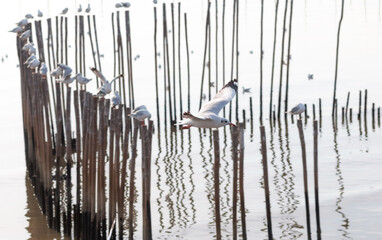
22	23
208	117
79	8
300	108
39	13
142	107
17	30
68	80
34	63
32	50
116	99
88	8
25	35
246	90
56	72
43	69
64	11
141	115
82	80
155	1
29	16
27	46
310	76
126	4
212	84
118	5
106	87
30	59
66	70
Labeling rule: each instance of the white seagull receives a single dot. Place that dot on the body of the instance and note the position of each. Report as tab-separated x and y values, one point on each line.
88	8
246	90
208	117
118	5
29	16
116	99
25	35
141	115
106	87
17	30
68	80
125	4
139	108
27	46
64	11
56	72
22	23
30	59
32	50
34	63
39	13
310	76
66	70
43	69
79	8
298	109
82	80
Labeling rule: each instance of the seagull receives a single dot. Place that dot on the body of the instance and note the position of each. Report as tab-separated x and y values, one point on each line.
310	76
64	11
141	115
56	72
27	46
32	50
208	117
39	13
82	80
106	87
88	8
118	5
68	80
22	23
116	99
43	69
155	1
25	35
34	63
212	84
17	30
79	8
66	70
30	59
246	90
298	109
29	16
126	4
139	108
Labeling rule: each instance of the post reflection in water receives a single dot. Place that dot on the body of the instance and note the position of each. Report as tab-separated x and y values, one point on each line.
190	195
341	187
37	227
158	184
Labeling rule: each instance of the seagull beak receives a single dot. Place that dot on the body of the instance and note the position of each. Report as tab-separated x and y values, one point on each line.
232	124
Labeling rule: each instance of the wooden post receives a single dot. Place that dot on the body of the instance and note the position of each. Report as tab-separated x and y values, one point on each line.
305	173
360	105
156	65
365	107
234	136
266	181
347	104
188	63
316	192
216	183
241	181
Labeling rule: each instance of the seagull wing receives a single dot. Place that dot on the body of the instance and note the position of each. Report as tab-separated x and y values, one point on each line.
221	99
188	115
99	75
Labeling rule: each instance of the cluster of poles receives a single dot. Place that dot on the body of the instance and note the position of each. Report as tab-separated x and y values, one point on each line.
66	151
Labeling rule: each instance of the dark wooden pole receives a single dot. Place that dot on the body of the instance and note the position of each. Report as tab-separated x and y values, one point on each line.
216	183
316	193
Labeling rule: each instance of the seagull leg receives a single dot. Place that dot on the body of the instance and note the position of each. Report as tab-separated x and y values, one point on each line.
143	123
186	127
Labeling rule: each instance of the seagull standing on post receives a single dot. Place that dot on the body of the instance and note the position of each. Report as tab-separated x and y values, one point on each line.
297	110
64	11
140	113
106	87
208	117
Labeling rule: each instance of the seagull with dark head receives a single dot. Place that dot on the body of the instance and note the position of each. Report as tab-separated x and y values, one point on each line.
207	117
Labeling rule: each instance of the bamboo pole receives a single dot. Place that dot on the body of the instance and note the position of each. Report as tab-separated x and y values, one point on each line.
347	104
68	131
305	173
92	48
166	61
241	181
156	65
205	54
289	58
266	181
223	47
316	192
188	63
282	60
132	182
261	61
179	66
216	47
337	51
173	58
216	183
234	136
